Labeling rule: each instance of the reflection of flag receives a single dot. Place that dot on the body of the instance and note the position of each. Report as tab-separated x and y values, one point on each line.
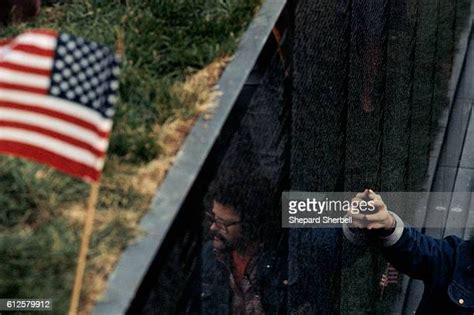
56	100
390	276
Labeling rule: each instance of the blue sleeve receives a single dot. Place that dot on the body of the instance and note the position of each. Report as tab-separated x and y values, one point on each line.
421	256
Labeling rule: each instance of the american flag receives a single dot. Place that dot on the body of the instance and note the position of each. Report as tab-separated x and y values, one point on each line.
390	276
57	93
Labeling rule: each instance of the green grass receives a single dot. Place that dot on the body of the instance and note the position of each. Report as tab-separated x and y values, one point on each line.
165	42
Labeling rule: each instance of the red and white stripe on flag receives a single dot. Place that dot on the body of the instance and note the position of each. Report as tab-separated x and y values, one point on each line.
57	93
390	276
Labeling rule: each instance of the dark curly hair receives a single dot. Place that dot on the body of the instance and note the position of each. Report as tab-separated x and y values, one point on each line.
253	196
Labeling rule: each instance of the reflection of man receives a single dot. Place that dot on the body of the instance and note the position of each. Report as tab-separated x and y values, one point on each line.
446	266
243	267
225	228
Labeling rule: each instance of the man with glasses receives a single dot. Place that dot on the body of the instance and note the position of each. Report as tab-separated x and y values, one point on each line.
225	227
243	265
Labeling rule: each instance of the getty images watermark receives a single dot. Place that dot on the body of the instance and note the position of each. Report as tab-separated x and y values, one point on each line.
301	209
419	209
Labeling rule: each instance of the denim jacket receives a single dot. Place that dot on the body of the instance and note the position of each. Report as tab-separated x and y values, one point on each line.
445	266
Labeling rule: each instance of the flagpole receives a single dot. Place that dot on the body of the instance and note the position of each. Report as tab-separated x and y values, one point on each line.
86	237
89	222
384	283
381	293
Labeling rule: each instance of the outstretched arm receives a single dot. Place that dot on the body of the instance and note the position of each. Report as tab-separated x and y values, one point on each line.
411	252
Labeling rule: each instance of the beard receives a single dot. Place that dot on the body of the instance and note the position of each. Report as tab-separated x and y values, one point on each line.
223	245
219	242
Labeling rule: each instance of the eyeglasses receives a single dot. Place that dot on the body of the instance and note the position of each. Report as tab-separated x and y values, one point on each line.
222	225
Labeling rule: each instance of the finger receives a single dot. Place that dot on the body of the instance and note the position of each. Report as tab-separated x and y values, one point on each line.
358	224
378	216
363	195
366	193
375	226
378	202
355	205
372	195
375	205
357	198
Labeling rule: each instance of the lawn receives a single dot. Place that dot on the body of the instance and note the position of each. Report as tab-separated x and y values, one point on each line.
174	53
